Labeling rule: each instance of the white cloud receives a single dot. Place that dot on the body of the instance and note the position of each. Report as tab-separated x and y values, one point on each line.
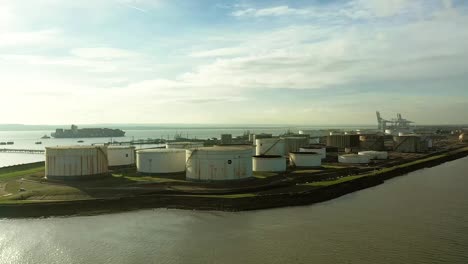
103	53
8	38
271	11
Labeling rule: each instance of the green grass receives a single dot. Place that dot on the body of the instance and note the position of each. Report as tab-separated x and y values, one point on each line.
328	183
20	173
263	175
227	196
306	171
153	179
332	167
374	173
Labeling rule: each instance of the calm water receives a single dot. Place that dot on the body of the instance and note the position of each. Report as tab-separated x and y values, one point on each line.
27	139
418	218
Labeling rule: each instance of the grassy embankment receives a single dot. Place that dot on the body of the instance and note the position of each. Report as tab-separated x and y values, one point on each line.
375	173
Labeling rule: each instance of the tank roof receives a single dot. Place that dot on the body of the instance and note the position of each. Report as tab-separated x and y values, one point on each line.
159	150
223	148
75	147
120	147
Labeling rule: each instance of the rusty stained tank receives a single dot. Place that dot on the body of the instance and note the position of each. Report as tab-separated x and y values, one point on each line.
372	142
411	144
343	141
76	162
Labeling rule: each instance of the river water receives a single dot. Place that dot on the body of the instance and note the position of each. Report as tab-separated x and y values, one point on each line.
417	218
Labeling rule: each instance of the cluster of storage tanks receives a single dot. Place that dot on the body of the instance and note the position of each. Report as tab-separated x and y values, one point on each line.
79	162
218	163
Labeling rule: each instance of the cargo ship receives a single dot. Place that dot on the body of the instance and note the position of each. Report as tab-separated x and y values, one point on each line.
75	132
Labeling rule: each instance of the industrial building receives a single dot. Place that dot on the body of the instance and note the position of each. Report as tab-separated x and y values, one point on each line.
411	144
343	141
305	159
76	162
154	161
220	163
269	163
121	156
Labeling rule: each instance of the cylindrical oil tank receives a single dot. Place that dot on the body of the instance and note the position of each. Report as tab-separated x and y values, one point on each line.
153	161
343	141
305	159
249	146
121	155
332	153
269	163
226	139
322	150
270	146
410	143
463	137
183	145
379	155
293	144
372	142
254	137
76	162
354	159
220	163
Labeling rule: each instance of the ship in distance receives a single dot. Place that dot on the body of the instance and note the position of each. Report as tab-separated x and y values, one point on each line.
76	132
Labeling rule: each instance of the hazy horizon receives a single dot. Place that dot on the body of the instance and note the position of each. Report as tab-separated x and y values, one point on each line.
233	62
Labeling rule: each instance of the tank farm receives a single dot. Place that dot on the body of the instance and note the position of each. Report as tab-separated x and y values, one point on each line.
232	173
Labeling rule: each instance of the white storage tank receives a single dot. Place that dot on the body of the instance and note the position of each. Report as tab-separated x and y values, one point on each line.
270	146
354	159
305	159
76	162
184	145
121	155
269	163
219	163
379	155
154	161
317	149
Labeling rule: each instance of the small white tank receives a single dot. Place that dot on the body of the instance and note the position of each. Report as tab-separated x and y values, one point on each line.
184	145
270	146
121	155
305	159
154	161
219	163
379	155
354	159
75	162
320	150
269	163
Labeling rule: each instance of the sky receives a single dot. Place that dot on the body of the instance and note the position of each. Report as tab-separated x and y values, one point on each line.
310	62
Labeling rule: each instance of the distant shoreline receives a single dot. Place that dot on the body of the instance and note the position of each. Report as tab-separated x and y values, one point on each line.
28	209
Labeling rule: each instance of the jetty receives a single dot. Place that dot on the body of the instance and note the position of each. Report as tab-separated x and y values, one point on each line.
25	151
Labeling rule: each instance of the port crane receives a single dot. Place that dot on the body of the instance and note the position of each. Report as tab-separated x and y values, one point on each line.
395	123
